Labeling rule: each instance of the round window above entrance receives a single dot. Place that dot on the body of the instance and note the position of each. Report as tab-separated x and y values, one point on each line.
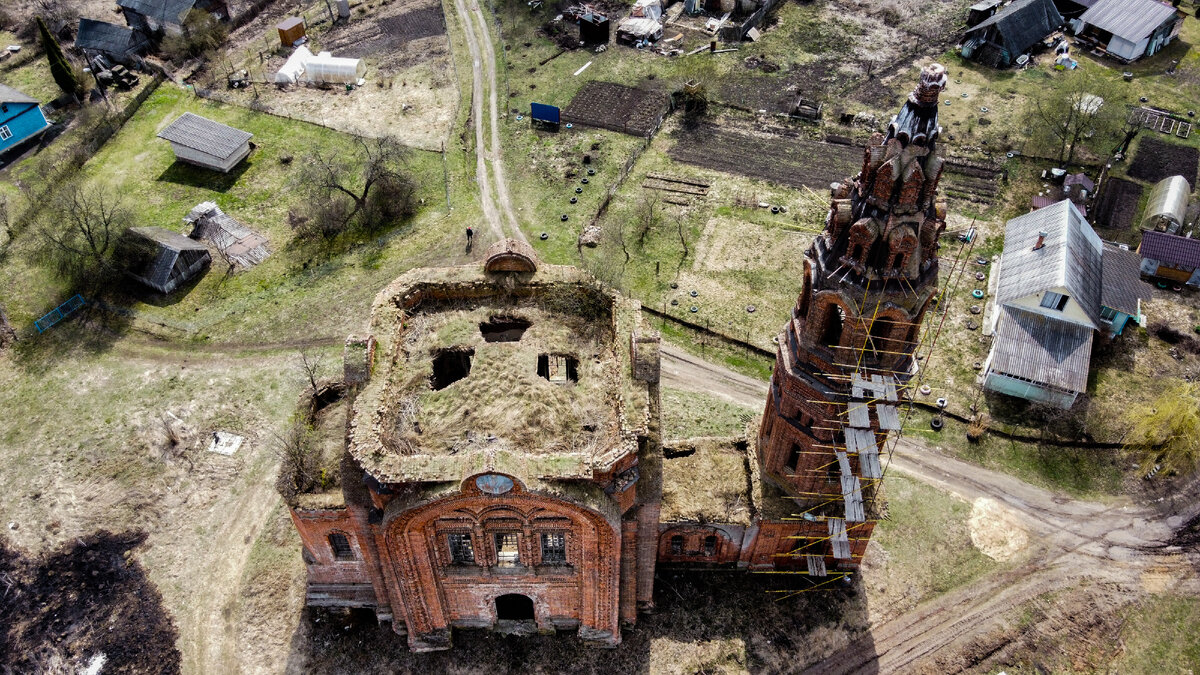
494	484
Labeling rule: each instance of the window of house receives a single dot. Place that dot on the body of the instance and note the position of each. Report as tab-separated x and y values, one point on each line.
554	548
507	554
1107	314
677	544
462	552
340	546
5	133
793	460
710	545
1055	301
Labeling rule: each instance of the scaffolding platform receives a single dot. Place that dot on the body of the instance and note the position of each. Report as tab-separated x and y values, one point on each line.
859	414
889	417
816	565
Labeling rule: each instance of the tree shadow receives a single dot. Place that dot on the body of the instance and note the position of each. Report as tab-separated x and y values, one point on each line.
190	175
93	329
705	621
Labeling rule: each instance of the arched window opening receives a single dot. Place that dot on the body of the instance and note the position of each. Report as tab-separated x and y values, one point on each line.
677	544
834	319
881	330
710	546
340	545
514	607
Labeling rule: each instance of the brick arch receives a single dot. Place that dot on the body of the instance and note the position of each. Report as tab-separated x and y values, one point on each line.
414	572
693	536
823	304
888	329
804	301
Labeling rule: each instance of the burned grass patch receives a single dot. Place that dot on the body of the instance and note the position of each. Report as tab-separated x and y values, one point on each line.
87	602
1118	206
1157	160
781	156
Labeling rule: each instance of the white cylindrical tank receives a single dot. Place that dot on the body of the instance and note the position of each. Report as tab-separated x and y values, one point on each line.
327	68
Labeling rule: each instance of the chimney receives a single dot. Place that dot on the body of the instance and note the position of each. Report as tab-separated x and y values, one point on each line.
1041	240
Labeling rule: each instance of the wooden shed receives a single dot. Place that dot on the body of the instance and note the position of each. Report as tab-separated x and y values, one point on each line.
203	142
291	29
160	258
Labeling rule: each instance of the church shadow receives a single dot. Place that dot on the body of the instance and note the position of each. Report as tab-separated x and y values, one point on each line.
705	621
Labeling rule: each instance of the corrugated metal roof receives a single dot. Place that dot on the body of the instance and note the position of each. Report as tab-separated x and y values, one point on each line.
10	95
1022	24
1070	257
1171	249
171	11
1040	349
1128	19
205	135
106	37
1123	285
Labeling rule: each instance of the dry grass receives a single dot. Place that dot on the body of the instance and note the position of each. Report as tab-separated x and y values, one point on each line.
708	484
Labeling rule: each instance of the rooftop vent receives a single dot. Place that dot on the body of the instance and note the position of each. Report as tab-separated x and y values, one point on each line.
1041	240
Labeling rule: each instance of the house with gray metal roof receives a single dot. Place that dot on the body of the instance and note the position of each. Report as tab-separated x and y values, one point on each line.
203	142
1170	258
1129	29
1009	33
117	43
160	258
167	16
1052	295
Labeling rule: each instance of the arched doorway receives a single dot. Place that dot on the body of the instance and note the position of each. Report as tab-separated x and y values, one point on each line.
514	607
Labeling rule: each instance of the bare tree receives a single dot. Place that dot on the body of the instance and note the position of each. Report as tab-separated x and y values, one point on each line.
87	222
682	237
364	185
201	33
1075	109
311	365
647	217
297	460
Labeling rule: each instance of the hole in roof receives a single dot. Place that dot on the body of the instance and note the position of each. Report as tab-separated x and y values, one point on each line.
503	329
558	368
450	366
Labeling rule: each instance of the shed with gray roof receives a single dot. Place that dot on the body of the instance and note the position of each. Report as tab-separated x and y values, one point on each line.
203	142
1129	29
160	258
1170	257
118	43
1012	31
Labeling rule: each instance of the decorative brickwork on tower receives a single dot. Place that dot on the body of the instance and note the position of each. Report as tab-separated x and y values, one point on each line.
868	280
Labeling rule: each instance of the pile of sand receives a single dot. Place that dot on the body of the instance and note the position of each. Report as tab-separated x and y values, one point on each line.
995	531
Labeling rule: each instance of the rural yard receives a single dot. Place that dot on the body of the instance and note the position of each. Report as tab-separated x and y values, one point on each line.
1007	535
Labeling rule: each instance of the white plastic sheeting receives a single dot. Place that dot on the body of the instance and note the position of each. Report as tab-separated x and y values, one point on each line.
325	67
293	69
1167	206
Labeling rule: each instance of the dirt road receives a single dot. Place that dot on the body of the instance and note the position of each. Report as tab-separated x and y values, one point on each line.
493	189
1073	542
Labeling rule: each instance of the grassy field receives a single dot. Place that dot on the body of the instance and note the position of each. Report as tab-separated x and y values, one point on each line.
687	414
1159	636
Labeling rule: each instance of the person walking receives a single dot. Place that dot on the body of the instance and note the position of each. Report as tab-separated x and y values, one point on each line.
470	236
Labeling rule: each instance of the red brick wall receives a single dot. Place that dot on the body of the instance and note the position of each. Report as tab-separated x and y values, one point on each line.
728	543
438	594
314	527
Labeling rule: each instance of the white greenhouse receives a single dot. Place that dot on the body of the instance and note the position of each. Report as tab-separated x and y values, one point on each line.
293	69
327	68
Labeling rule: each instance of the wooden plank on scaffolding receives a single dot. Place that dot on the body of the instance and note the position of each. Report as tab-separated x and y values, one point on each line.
889	389
859	440
852	496
868	462
858	386
816	565
843	463
859	414
838	538
889	417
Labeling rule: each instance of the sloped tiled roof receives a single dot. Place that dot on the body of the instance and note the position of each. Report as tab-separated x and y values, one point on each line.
1123	285
1041	349
1128	19
1171	249
205	135
10	95
1070	257
106	37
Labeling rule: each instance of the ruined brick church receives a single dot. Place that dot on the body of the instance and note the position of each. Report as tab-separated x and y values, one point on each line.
494	457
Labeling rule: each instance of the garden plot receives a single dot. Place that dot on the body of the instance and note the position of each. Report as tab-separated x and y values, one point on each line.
777	155
607	105
1118	205
410	91
1156	160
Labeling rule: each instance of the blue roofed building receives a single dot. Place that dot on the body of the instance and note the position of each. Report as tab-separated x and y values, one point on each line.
21	118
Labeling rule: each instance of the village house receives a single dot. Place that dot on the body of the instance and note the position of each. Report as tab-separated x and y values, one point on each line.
153	17
21	118
504	465
1055	290
200	141
1128	29
998	40
1170	259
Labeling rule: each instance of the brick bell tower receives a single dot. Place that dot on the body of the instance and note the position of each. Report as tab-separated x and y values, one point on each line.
868	281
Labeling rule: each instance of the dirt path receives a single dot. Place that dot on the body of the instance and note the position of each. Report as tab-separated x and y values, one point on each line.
493	190
1074	541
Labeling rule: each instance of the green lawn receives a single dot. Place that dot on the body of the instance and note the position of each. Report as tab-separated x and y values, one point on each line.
687	414
1160	636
